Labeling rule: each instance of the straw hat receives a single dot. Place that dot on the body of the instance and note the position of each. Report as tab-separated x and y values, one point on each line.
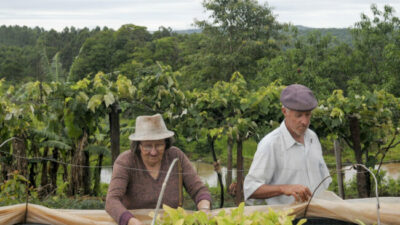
149	128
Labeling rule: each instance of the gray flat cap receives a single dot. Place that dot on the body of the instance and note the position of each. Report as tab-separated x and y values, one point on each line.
298	97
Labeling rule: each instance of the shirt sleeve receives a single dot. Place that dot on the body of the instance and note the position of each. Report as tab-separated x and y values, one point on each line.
192	182
324	170
117	189
261	169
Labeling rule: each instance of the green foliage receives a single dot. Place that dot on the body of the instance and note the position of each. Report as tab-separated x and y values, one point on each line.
366	121
386	186
107	50
376	49
73	203
239	33
15	190
219	82
236	216
55	144
161	93
376	111
342	34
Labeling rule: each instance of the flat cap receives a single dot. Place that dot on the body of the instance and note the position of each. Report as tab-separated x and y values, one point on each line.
298	97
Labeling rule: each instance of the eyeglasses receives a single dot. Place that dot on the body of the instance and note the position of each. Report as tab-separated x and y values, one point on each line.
149	147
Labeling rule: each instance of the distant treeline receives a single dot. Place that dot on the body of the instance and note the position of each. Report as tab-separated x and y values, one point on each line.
257	46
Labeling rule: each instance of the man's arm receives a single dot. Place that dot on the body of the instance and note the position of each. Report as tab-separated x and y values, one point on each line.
299	192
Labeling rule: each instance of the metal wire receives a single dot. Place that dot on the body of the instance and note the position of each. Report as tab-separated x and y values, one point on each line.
315	190
376	191
162	191
132	168
355	167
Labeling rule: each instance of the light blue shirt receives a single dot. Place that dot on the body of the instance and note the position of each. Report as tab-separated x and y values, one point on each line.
280	159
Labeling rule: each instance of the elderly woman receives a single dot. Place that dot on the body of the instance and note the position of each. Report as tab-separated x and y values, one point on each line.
138	174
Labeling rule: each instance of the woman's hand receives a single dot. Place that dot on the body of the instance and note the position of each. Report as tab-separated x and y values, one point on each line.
204	205
134	221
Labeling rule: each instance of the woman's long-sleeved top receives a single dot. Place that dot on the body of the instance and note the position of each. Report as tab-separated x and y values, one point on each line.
132	186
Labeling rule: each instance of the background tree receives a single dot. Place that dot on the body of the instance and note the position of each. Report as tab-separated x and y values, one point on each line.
375	43
240	33
367	122
106	50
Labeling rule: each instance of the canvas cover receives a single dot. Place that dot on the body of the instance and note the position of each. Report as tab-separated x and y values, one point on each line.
328	205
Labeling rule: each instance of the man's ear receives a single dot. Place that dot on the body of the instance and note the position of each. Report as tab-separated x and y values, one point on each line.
284	111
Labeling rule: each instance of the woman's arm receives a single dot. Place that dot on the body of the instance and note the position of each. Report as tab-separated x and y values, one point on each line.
193	184
116	191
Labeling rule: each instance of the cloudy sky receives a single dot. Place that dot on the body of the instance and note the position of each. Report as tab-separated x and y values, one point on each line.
177	14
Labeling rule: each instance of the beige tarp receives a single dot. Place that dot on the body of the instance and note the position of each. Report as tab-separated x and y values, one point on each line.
328	206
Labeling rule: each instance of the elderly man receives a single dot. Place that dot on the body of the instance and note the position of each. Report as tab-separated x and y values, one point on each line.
288	164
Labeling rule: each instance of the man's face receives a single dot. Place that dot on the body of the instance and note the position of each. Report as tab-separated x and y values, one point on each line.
297	122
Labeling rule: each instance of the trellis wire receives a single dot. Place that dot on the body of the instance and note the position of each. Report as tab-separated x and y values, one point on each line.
170	170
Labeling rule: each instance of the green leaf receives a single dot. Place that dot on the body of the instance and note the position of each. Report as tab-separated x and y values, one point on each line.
179	222
72	129
82	97
109	99
55	144
302	221
94	102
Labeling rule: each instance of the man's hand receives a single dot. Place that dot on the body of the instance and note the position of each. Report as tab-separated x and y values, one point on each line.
232	189
134	221
300	192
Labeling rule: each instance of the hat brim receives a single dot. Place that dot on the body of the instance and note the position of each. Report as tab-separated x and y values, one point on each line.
152	137
301	108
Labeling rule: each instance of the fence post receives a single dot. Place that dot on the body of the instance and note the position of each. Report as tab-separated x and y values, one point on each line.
338	155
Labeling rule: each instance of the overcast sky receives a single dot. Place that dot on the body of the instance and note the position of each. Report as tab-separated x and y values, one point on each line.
177	14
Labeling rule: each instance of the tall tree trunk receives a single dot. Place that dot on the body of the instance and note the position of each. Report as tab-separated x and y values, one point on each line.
3	167
5	164
44	188
367	175
19	150
218	170
338	155
65	172
33	166
361	172
97	173
86	171
239	171
32	174
77	174
114	131
53	170
229	170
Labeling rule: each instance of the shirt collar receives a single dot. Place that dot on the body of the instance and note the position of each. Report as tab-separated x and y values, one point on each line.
288	140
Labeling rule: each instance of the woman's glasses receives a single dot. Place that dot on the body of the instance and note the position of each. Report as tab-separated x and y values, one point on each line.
149	147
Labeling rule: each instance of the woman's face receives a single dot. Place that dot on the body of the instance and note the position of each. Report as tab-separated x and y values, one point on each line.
152	151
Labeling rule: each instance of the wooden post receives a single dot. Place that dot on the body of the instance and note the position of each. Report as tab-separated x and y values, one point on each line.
114	130
338	155
239	172
229	169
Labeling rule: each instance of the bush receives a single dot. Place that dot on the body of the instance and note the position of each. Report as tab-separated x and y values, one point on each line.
16	190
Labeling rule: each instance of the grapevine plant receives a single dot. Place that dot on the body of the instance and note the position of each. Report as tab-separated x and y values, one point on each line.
237	216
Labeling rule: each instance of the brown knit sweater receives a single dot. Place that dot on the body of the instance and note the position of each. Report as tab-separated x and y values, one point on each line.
136	189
